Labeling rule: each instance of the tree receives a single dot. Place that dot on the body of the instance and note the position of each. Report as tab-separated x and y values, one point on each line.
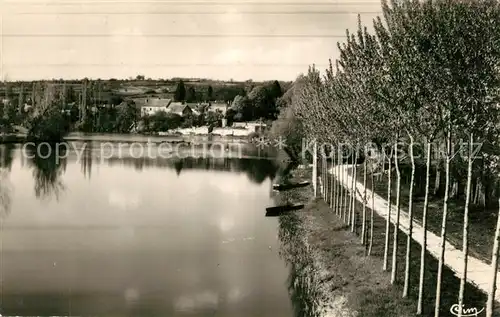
21	100
126	117
494	268
210	93
191	94
11	112
180	92
70	95
47	122
419	77
115	100
262	103
214	118
49	126
275	90
8	90
162	121
241	107
230	115
188	121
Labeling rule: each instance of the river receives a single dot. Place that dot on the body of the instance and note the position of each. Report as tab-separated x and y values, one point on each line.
89	235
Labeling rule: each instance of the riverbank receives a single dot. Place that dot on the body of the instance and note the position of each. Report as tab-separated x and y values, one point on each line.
12	138
334	277
331	274
139	138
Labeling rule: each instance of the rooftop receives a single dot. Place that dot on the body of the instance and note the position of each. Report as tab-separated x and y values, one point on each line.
177	107
157	102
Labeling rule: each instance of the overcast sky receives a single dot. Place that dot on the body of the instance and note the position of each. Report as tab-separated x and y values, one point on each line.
238	39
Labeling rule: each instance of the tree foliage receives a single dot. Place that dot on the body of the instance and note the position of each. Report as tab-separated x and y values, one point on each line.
180	92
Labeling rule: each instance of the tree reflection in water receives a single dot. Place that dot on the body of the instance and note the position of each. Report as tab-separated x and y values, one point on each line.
48	167
6	156
6	159
257	170
303	285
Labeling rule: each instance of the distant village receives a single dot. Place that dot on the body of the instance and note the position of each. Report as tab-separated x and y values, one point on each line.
145	106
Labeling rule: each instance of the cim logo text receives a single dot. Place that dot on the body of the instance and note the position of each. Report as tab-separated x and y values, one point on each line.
466	312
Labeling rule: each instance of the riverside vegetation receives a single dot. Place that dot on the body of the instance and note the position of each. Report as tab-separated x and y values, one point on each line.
427	74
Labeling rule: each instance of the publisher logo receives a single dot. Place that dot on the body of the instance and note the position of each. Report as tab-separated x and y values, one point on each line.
466	312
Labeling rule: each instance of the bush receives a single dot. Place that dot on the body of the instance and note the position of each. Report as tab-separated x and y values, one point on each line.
51	125
290	129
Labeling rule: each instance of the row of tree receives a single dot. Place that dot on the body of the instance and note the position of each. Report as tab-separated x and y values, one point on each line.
189	93
428	71
261	102
247	103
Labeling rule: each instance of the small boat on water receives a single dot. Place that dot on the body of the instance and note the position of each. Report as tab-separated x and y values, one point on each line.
287	186
279	210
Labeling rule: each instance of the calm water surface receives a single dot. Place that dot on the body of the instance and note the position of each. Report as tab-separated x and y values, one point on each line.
138	237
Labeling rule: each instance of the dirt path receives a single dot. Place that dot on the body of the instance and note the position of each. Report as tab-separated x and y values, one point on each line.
478	271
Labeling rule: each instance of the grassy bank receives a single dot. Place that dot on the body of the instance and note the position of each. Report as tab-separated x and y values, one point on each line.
332	276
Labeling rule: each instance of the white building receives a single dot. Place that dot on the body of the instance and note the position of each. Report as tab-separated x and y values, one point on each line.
154	105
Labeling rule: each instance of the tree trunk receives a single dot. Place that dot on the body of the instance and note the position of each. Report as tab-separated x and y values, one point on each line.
320	168
329	192
323	187
494	270
333	187
437	182
315	169
354	187
349	192
325	177
443	225
398	213
454	189
465	243
339	187
328	182
424	227
371	214
406	287
343	199
363	225
478	190
388	221
381	175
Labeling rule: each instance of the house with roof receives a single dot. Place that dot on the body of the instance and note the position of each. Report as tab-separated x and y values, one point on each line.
153	105
182	109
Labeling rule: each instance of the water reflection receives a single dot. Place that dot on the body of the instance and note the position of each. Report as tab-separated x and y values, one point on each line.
148	243
178	166
256	170
86	161
6	156
6	159
48	167
5	198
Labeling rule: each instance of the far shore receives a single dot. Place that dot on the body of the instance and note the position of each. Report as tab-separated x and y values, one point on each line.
168	137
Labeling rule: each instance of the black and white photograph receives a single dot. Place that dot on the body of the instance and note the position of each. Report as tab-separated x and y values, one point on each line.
249	158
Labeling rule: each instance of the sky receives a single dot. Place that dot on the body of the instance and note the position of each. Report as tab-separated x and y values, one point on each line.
236	39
